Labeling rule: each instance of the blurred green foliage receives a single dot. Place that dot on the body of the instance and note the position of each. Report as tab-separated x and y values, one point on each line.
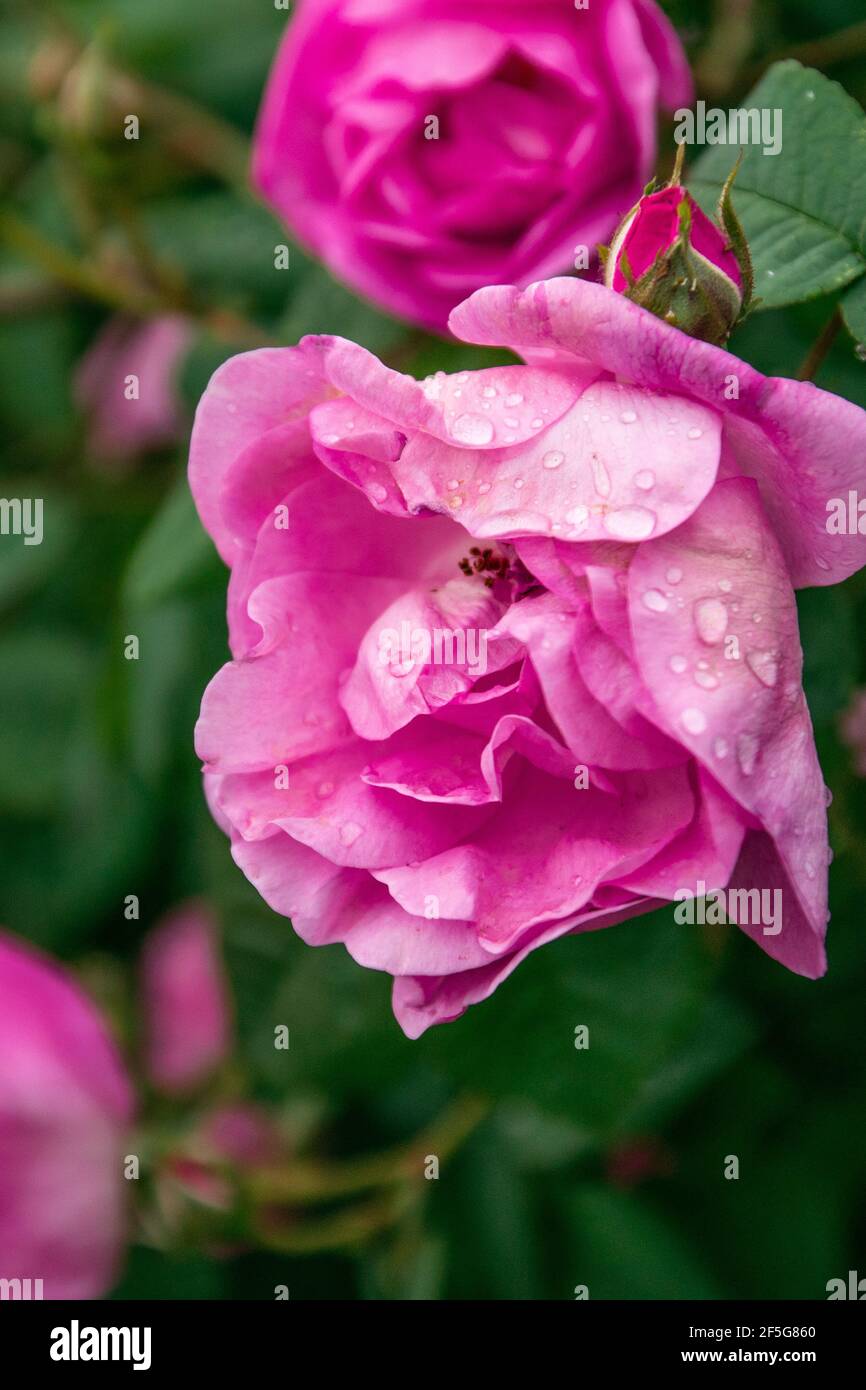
601	1167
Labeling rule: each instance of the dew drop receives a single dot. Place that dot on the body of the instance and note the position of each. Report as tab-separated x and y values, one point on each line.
519	482
600	476
630	523
645	479
695	434
472	429
747	753
489	392
694	721
711	620
655	601
674	575
725	585
484	487
765	666
378	492
536	423
678	665
628	417
514	399
324	789
720	747
553	458
706	680
578	516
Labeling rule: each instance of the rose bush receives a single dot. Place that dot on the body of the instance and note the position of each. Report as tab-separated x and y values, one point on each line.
546	129
621	522
65	1104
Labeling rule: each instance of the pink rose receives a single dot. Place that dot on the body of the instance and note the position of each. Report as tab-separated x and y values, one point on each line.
65	1103
424	150
128	417
607	541
184	1000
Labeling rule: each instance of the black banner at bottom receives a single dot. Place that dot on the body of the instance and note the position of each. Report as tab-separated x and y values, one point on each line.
152	1338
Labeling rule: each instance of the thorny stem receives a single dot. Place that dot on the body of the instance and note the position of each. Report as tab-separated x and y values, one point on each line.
309	1181
814	359
118	292
823	52
718	66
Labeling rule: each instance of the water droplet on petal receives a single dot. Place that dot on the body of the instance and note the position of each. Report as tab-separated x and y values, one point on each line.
678	665
725	585
378	492
536	423
553	458
828	797
324	789
489	392
628	417
630	523
600	476
674	575
578	516
519	482
765	666
694	721
655	601
514	399
472	429
706	680
747	753
720	747
484	487
711	620
645	479
695	434
350	832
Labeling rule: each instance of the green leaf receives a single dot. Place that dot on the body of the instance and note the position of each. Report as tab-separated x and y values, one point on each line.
320	304
854	309
624	1249
24	568
174	555
803	209
41	679
639	988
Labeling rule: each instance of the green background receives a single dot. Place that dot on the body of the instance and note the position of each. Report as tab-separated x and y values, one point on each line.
602	1167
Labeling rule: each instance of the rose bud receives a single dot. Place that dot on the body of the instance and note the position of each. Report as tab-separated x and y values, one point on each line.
185	1001
673	260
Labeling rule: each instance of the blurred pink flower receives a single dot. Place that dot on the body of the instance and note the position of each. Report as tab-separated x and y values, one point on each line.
610	539
128	418
424	148
184	1000
65	1105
